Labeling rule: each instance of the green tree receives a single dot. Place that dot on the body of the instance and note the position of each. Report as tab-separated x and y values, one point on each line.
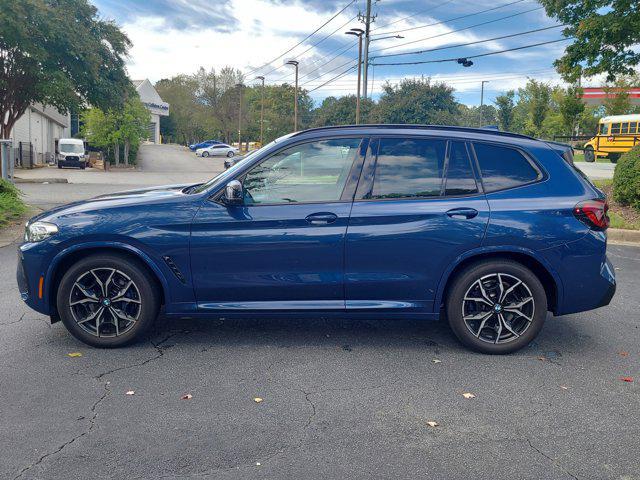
134	125
417	102
604	33
505	110
571	108
534	101
341	111
58	53
618	101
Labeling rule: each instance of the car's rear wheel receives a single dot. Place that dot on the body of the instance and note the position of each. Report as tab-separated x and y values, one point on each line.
496	306
614	157
107	300
205	154
589	154
230	154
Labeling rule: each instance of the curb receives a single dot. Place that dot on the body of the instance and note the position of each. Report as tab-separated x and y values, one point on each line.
40	180
619	236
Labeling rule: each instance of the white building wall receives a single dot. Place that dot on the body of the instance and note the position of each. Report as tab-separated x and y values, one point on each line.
40	126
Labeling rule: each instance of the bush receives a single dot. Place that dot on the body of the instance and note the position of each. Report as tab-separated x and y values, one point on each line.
11	205
626	179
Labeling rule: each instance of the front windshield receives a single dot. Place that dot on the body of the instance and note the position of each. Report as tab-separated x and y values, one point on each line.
232	170
71	148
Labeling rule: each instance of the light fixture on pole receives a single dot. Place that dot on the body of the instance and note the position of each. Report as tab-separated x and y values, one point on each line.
358	32
239	85
295	63
261	110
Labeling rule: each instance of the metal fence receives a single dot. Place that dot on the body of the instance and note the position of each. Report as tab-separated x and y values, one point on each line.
23	155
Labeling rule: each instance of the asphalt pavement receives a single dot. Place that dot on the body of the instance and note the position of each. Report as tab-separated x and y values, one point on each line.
340	399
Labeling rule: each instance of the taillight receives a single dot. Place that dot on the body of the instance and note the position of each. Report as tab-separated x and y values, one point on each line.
593	213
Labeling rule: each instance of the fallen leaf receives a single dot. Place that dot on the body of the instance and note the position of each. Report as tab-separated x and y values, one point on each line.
431	423
130	392
542	359
468	395
258	464
435	360
257	400
74	354
187	396
627	379
622	353
563	387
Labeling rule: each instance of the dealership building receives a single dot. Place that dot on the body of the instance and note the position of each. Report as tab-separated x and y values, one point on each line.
156	106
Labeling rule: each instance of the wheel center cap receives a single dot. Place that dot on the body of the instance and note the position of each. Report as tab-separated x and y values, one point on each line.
497	308
106	302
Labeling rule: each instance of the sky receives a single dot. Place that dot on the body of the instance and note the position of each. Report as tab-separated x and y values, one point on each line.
172	37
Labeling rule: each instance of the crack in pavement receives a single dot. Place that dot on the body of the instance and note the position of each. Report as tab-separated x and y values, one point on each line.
92	422
14	322
313	407
159	353
551	459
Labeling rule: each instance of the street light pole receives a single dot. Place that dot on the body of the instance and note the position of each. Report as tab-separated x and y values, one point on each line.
239	85
295	63
367	26
261	110
358	33
482	100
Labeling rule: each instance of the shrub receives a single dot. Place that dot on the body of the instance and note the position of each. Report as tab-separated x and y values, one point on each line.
11	205
626	179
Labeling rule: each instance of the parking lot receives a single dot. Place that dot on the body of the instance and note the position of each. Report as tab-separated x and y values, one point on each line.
339	398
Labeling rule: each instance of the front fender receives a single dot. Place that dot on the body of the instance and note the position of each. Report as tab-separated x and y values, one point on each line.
96	245
481	252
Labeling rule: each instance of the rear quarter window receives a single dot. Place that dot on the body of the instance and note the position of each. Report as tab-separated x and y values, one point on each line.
503	167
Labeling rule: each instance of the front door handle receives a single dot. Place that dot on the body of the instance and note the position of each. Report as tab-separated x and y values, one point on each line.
321	218
462	213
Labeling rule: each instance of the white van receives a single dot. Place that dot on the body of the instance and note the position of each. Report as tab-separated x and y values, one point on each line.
71	153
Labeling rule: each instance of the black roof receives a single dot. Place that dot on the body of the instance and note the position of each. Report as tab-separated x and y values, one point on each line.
485	131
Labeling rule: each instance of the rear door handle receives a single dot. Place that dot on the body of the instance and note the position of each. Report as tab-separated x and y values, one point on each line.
321	218
462	213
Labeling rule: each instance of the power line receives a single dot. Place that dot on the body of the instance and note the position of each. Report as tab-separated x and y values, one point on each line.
330	71
304	39
340	75
475	56
314	45
416	52
452	19
459	29
422	12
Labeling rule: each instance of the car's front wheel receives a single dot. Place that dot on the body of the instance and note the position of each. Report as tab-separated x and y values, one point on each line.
230	154
496	306
205	154
107	300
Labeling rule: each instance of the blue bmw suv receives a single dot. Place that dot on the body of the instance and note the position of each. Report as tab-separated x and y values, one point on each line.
493	230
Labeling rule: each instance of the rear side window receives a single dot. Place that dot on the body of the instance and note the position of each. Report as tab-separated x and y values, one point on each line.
503	167
460	178
625	128
409	167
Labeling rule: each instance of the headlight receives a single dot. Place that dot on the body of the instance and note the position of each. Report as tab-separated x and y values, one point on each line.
38	231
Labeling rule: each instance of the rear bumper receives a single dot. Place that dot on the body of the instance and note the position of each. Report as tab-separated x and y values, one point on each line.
587	276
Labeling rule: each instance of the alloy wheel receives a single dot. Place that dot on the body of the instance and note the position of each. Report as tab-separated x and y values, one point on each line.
498	308
105	302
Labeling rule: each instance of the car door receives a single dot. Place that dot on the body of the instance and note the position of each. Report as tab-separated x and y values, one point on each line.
417	208
283	248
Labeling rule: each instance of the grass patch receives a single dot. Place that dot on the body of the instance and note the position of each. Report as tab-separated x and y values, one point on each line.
11	205
621	216
579	157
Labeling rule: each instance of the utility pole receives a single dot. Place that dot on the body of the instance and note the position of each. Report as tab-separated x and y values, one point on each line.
295	63
358	32
367	40
239	85
261	110
482	100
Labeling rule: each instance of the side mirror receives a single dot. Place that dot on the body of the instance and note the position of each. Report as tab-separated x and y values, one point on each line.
233	193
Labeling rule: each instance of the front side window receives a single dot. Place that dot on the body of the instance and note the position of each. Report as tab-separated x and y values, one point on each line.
604	129
503	167
309	172
408	167
615	128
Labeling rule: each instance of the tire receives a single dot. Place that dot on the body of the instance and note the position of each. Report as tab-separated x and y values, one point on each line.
205	154
80	297
59	166
589	154
82	167
614	157
230	154
467	300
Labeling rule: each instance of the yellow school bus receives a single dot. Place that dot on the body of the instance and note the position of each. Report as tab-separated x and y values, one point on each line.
616	135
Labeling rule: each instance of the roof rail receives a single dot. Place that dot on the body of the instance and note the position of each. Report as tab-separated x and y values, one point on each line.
484	130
